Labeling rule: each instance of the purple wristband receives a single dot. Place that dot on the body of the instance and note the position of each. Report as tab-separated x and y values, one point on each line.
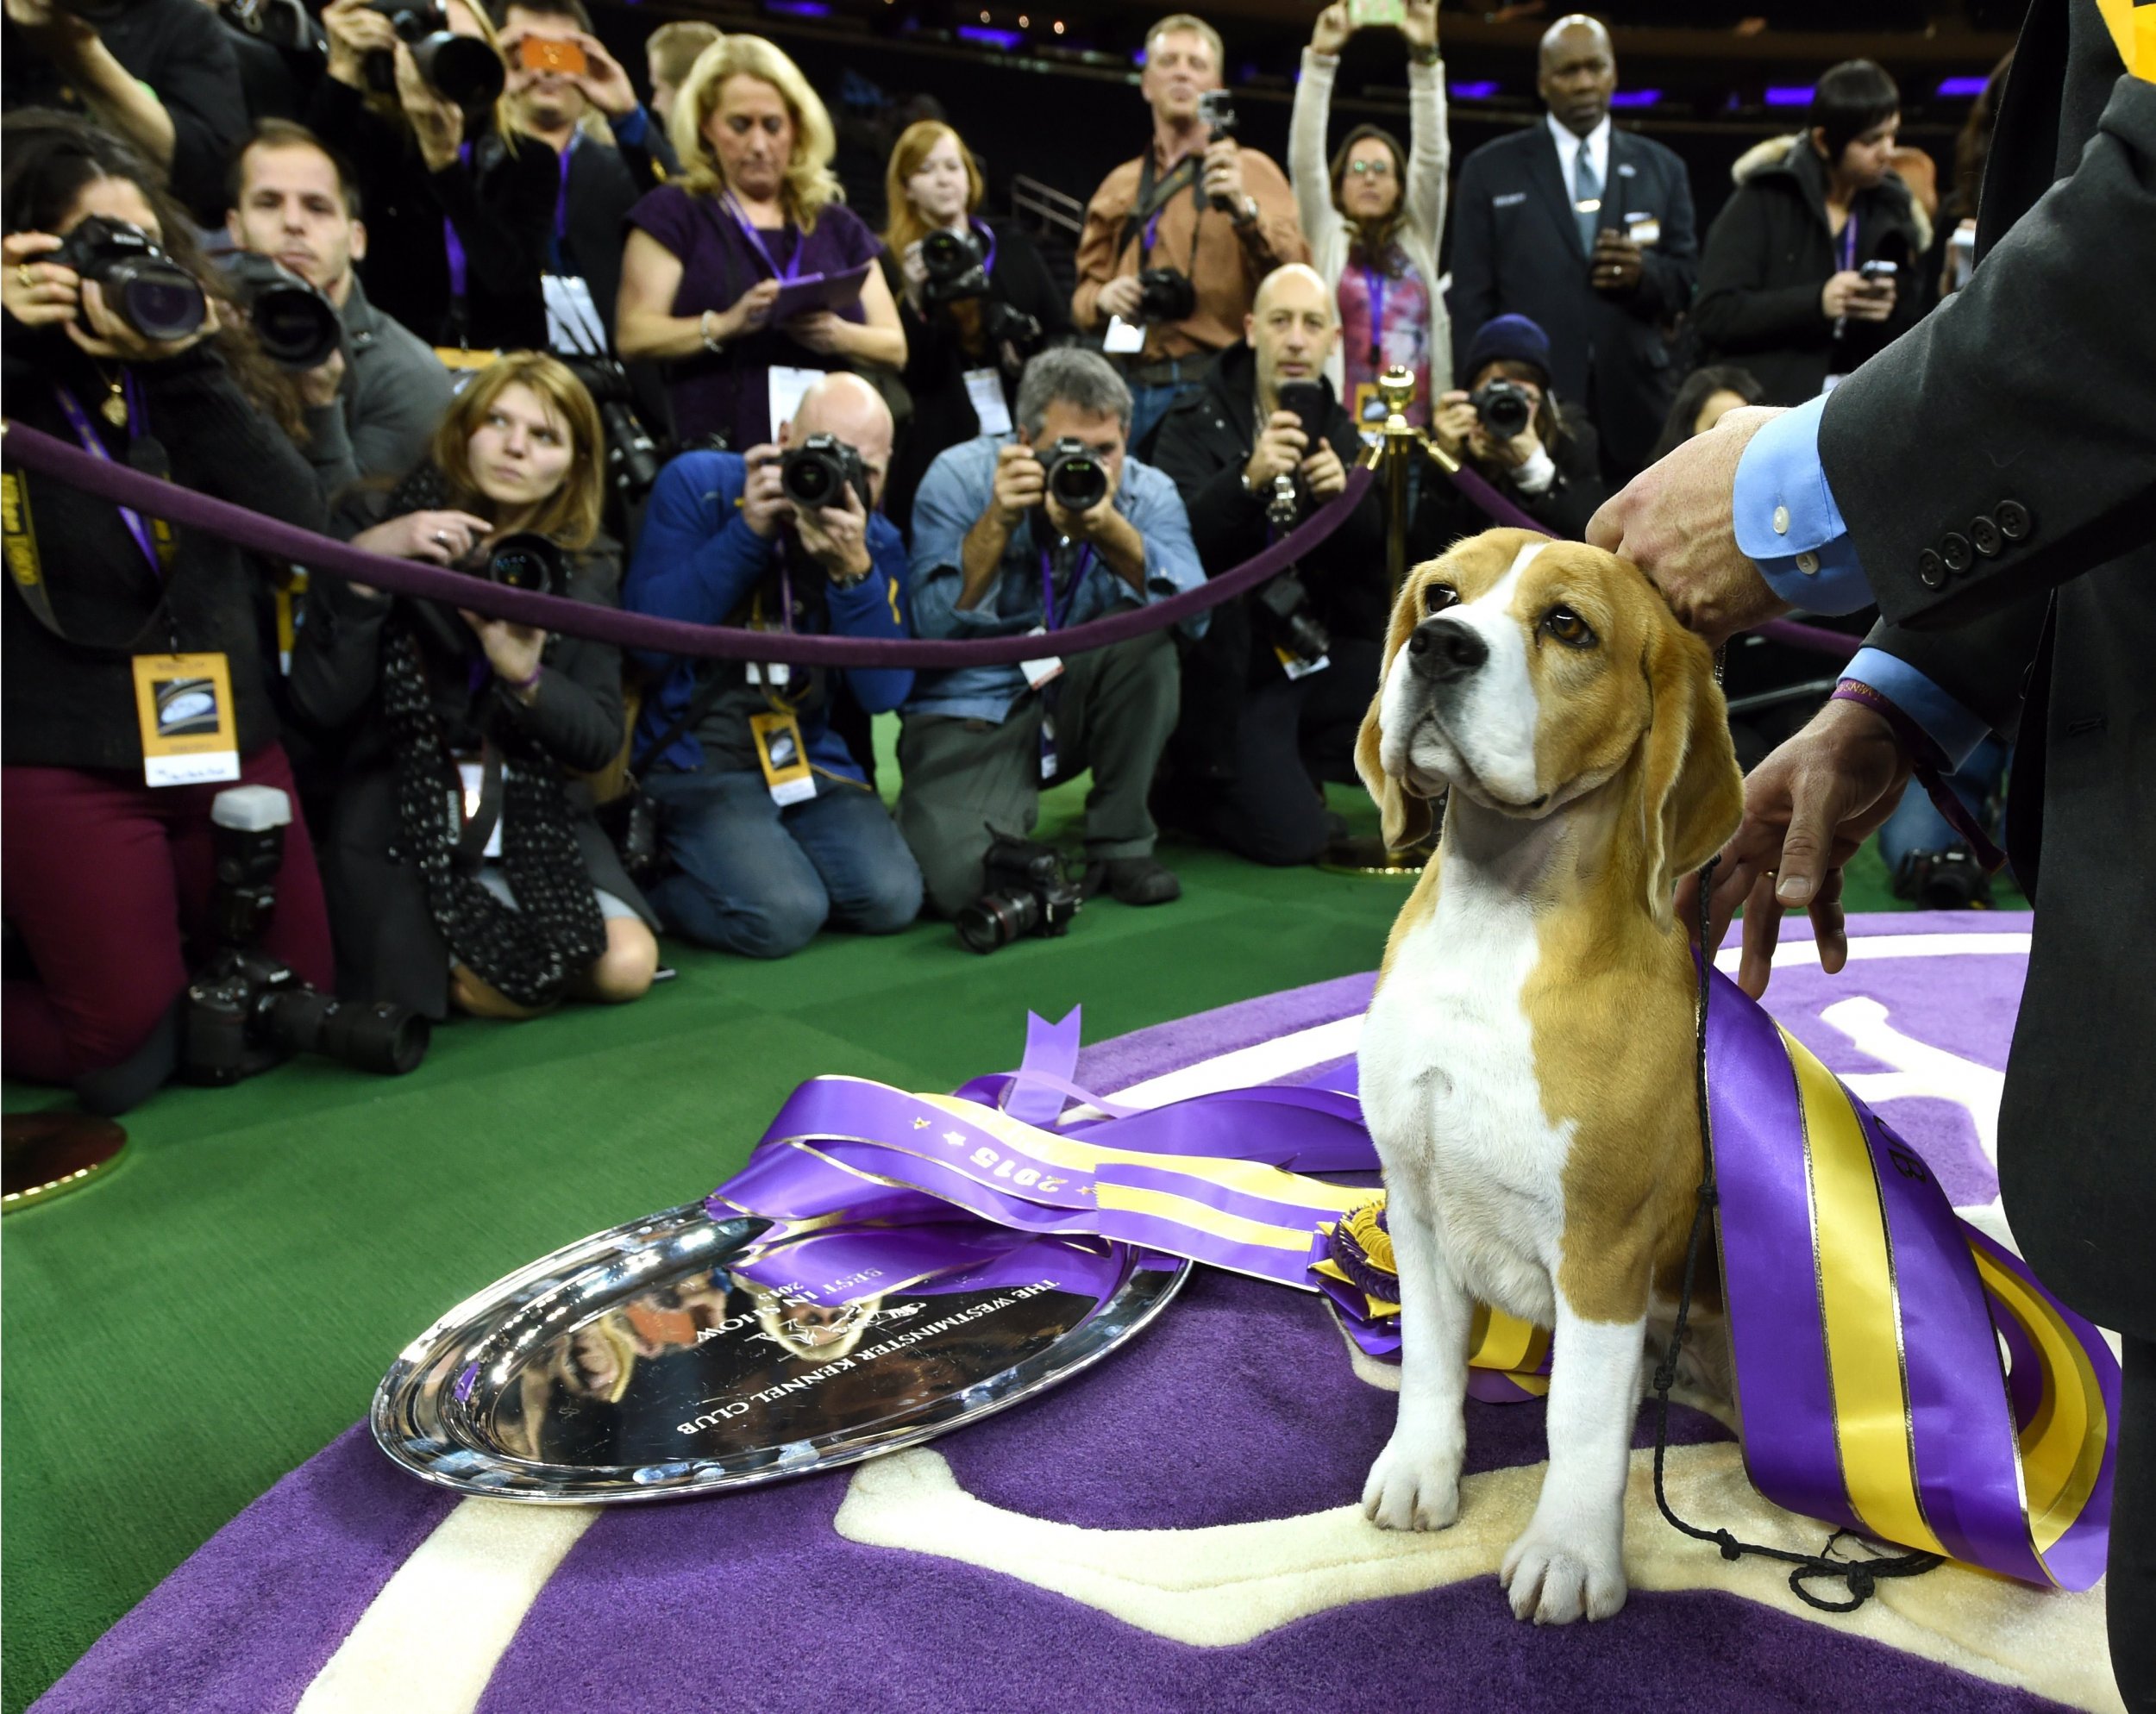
522	685
1930	765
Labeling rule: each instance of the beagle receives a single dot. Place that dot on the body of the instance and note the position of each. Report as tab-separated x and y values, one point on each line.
1527	1063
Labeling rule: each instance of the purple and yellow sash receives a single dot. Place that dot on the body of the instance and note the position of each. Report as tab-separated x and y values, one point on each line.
1897	1373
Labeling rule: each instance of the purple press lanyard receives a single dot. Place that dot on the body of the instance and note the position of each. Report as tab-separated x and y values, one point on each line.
459	271
756	239
1849	242
1374	286
1049	618
79	421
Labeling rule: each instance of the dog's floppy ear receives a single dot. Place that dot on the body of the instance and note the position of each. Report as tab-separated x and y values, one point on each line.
1691	792
1405	819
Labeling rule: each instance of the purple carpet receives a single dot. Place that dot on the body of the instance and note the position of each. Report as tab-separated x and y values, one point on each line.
1239	1406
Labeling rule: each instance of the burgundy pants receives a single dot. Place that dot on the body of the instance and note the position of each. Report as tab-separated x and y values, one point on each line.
109	883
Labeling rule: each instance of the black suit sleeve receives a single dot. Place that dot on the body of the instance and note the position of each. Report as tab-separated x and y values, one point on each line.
1473	299
1670	267
2031	386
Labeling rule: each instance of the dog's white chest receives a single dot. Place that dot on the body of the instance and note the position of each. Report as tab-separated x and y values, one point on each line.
1449	1092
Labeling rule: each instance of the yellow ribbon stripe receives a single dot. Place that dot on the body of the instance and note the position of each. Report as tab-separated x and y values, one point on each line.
2133	31
1188	1211
1859	1310
2062	1448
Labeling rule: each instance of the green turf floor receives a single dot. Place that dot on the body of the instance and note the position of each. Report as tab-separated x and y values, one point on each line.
182	1333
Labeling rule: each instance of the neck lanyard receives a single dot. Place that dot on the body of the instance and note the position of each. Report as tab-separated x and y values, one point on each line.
988	237
459	271
1049	617
561	203
1374	285
1849	240
755	241
153	537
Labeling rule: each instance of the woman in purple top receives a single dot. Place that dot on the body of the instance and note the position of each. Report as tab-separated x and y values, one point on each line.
756	206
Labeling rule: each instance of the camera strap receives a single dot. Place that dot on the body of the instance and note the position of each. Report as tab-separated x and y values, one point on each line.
153	535
1144	217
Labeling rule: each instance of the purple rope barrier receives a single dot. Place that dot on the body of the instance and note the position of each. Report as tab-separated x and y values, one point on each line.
126	486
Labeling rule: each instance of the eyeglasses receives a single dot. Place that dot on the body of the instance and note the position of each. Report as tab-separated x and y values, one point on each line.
1374	169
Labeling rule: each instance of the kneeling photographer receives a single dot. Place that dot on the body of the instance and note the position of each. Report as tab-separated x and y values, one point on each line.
975	300
119	340
771	830
1537	451
462	866
1275	692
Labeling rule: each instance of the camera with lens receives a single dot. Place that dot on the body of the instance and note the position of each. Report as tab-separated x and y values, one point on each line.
1165	295
462	69
632	456
297	325
1951	879
956	265
142	285
525	560
1505	408
1216	112
1006	324
1285	602
1025	891
1073	476
820	471
244	1010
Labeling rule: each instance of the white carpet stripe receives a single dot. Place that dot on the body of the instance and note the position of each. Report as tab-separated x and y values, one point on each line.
1862	947
429	1642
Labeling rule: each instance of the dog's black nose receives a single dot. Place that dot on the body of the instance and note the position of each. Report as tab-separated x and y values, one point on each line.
1443	648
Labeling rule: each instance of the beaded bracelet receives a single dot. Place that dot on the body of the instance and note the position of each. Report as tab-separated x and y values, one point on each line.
1929	764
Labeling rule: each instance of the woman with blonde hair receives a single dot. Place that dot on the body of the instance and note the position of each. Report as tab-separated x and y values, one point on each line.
461	868
972	319
757	206
459	204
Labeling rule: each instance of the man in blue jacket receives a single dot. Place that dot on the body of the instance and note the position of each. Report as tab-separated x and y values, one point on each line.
762	810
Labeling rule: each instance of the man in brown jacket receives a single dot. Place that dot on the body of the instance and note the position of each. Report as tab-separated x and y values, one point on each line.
1218	217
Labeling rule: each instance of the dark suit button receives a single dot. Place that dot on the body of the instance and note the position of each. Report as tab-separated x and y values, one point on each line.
1931	569
2014	521
1954	551
1983	536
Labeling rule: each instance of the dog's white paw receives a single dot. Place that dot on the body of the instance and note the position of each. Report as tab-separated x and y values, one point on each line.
1415	1484
1555	1582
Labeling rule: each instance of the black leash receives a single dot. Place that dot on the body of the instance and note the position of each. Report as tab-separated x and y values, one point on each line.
1860	1576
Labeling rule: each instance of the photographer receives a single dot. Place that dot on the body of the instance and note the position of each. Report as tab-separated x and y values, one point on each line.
996	552
161	74
460	204
973	309
372	408
1539	451
1374	217
1810	266
1176	240
771	826
1276	691
443	710
566	91
107	875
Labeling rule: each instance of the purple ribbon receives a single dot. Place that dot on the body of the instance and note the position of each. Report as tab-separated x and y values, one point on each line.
93	443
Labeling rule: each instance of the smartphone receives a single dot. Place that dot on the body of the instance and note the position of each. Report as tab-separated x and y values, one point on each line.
1372	13
546	53
1878	274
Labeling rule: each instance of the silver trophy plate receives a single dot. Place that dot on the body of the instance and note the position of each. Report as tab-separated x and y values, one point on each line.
677	1355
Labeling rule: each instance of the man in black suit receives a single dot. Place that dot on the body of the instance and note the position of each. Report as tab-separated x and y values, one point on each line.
1991	479
1587	231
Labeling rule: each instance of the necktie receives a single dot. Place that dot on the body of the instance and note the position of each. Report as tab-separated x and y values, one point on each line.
1587	197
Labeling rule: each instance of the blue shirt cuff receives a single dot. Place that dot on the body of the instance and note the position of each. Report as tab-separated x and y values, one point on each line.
628	130
1787	521
1954	728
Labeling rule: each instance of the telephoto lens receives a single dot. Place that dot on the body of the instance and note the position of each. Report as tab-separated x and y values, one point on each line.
995	919
462	69
298	326
818	472
1074	477
378	1036
145	287
1505	408
526	560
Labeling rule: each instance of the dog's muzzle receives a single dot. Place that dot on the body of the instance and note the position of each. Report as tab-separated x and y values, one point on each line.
1445	650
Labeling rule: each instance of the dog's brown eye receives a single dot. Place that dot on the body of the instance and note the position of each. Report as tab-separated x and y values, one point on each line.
1568	628
1437	596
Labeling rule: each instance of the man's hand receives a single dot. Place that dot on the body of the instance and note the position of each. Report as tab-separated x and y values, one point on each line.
1323	473
1419	24
1121	297
1675	521
1224	173
1095	524
1279	450
763	502
1020	485
1508	455
1328	36
1618	262
605	85
320	385
836	537
1850	294
1808	808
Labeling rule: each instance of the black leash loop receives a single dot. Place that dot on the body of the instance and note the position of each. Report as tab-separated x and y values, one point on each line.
1860	1576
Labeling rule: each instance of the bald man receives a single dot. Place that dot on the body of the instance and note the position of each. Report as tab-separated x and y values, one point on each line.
1273	694
1587	231
767	822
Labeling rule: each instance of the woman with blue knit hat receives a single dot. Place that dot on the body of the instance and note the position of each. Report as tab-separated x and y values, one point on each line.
1537	450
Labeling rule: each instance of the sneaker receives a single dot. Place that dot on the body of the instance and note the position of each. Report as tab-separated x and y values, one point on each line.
1132	880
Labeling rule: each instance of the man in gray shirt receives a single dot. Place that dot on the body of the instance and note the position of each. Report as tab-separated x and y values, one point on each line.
373	407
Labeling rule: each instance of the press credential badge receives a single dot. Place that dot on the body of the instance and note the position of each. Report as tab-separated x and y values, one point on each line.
184	704
783	758
985	388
